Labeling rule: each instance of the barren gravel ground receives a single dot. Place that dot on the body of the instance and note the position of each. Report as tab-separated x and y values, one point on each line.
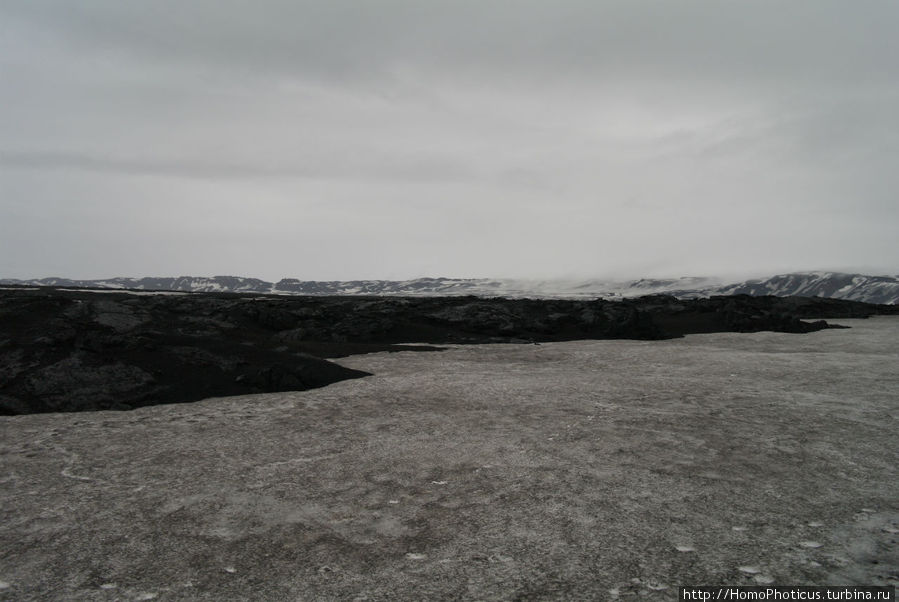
582	470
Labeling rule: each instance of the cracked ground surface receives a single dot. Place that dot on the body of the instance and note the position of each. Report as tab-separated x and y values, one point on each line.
580	470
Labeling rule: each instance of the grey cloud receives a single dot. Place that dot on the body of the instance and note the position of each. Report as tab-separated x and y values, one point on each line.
496	138
416	168
786	42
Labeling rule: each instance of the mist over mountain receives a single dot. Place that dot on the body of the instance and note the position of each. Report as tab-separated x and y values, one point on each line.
835	285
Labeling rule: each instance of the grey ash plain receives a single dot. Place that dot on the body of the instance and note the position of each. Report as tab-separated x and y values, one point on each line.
611	469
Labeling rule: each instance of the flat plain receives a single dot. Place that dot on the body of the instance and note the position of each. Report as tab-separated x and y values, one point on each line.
598	470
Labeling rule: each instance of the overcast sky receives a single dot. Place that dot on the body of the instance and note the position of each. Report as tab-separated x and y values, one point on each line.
328	139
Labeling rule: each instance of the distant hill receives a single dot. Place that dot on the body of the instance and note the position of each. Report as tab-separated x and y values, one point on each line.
182	283
855	287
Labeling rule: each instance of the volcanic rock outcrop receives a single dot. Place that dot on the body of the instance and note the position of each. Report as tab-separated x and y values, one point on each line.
65	350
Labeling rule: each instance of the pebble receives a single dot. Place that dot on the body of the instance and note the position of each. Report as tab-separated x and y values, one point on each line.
810	544
499	558
685	548
751	570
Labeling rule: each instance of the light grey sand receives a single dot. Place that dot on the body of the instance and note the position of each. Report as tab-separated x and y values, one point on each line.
583	470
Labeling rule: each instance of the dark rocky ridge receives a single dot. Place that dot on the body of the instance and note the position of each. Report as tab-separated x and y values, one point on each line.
64	350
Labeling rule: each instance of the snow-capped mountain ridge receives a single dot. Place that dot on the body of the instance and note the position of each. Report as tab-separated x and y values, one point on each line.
204	284
856	287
